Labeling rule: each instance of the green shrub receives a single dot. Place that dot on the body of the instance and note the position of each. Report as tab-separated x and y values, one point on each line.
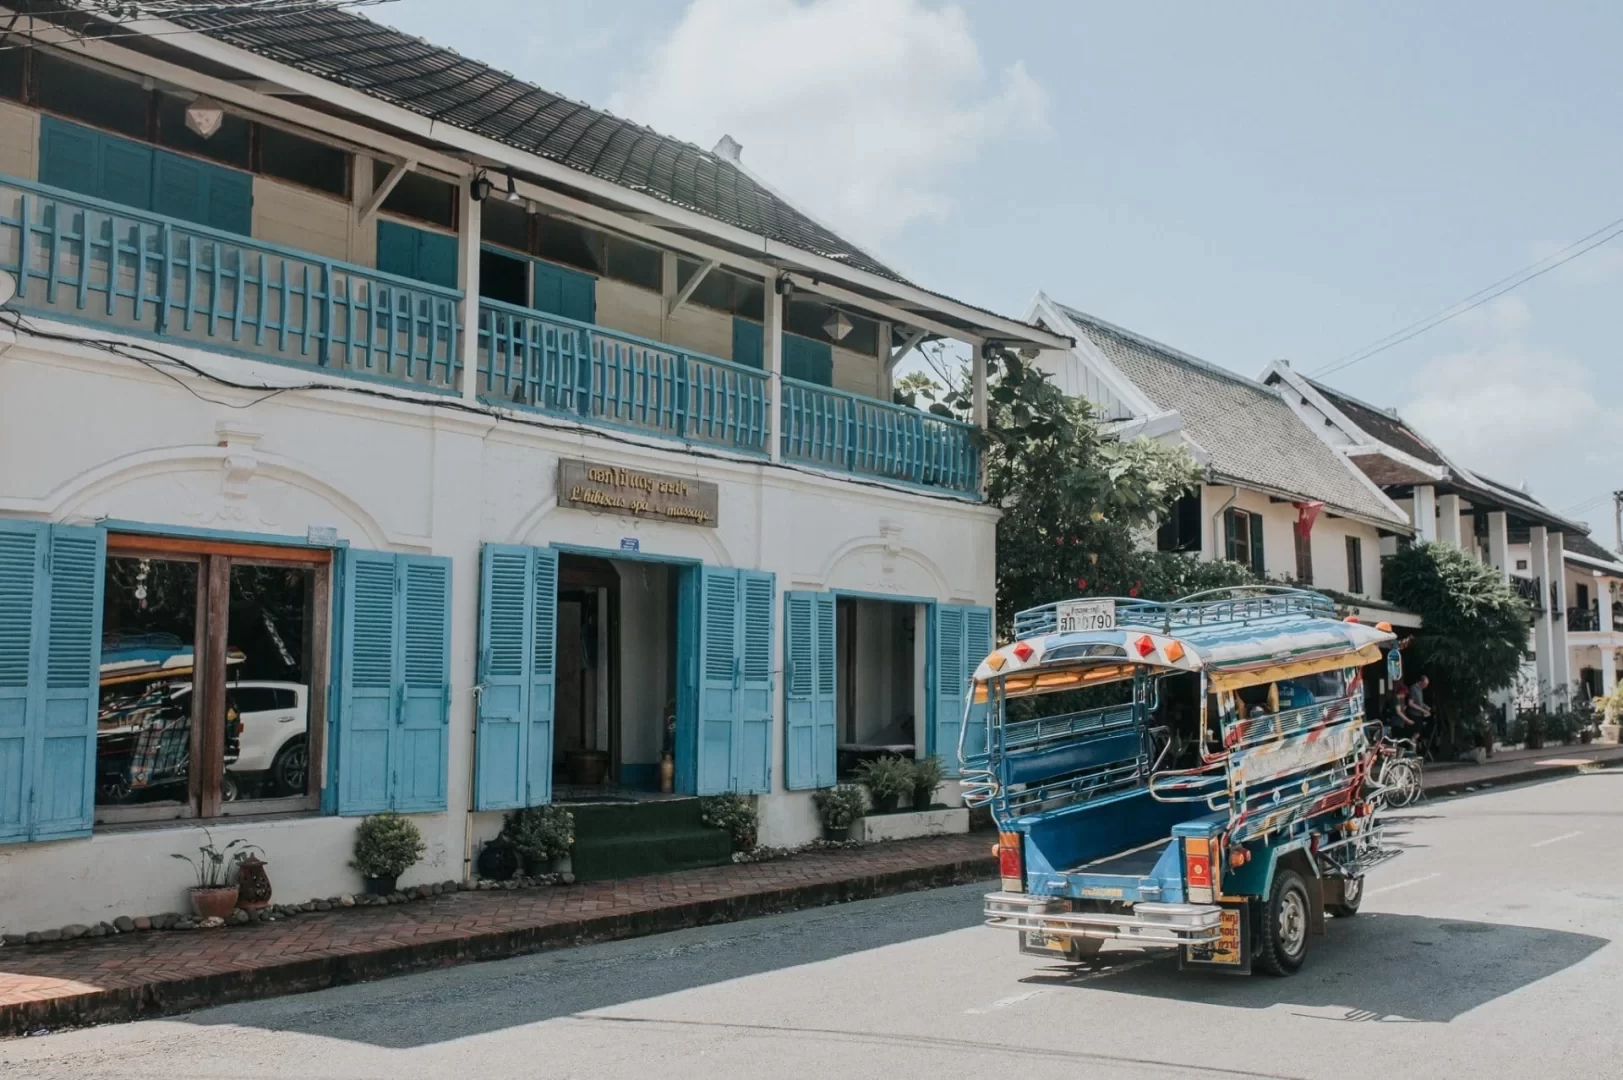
540	834
387	845
927	776
840	806
888	777
733	813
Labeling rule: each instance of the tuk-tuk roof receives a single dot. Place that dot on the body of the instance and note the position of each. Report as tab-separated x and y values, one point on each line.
1239	637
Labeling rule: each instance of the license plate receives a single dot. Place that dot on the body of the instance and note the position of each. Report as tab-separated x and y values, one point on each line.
1082	615
1229	948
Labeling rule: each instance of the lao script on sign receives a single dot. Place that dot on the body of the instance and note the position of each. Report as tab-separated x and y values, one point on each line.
587	485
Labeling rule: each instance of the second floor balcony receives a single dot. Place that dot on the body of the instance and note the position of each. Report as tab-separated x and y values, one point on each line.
86	261
1592	619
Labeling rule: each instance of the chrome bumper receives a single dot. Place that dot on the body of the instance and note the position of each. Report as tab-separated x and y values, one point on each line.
1147	923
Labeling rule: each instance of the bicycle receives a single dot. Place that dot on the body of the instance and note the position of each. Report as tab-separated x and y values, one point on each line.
1395	776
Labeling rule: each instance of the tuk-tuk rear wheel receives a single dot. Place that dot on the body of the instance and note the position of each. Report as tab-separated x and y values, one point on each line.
1352	895
1282	925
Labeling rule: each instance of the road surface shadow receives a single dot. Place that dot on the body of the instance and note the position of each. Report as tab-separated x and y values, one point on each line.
475	999
1375	967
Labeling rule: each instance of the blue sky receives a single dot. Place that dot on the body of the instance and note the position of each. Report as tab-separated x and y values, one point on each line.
1246	181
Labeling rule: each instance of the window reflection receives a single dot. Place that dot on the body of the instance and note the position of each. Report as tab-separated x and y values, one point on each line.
268	693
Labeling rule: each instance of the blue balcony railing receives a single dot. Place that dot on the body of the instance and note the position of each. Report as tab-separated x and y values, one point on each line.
135	272
860	435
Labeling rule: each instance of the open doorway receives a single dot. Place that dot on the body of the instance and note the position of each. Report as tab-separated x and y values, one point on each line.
881	658
616	692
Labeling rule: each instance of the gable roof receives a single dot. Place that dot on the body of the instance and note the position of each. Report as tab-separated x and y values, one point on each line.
1589	552
1252	437
1384	426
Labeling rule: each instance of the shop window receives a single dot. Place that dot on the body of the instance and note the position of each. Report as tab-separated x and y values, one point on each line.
632	263
419	196
287	156
567	243
504	278
505	223
229	146
213	679
89	94
1181	530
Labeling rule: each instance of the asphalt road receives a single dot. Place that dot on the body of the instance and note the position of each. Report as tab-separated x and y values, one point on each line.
1488	950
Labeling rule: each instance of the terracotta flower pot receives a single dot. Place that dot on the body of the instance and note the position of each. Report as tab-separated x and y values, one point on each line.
213	903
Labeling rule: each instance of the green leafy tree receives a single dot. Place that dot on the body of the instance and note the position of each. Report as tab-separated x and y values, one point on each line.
1078	504
1474	628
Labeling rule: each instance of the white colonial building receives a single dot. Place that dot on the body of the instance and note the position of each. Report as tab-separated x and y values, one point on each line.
380	431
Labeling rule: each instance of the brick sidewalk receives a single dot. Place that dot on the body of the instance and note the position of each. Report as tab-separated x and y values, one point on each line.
153	973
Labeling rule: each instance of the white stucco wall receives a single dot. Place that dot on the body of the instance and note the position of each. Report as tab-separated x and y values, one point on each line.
1329	538
86	436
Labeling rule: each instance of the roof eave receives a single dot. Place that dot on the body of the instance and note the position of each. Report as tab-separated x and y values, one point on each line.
1391	524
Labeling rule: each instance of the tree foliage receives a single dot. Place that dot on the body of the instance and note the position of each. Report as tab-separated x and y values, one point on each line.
1474	628
1079	506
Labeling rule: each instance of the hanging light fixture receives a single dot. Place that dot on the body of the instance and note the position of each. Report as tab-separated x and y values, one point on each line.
837	326
480	188
204	117
512	190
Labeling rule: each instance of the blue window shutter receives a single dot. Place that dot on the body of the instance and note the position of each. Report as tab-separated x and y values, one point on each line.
543	674
754	723
22	558
231	201
808	360
810	721
69	156
50	660
561	291
719	678
366	705
436	258
424	719
180	188
397	249
747	343
1259	565
977	645
948	677
125	172
505	652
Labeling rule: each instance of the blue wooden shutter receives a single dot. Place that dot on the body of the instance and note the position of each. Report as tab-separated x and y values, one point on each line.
1259	564
810	720
425	686
50	660
719	678
754	723
230	200
124	172
180	187
69	156
366	694
543	674
977	645
559	290
505	626
436	258
397	249
808	360
948	678
748	348
518	644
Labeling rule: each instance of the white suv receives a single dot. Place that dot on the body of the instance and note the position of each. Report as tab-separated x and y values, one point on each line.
275	718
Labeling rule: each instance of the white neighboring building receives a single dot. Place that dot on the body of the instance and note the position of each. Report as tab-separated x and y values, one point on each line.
1594	615
509	429
1276	498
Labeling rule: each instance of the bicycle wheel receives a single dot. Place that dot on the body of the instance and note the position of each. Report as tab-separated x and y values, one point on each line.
1403	784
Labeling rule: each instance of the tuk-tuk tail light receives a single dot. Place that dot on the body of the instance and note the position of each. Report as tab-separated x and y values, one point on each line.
1010	862
1197	868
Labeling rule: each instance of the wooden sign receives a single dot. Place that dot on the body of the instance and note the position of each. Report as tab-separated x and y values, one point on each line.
587	485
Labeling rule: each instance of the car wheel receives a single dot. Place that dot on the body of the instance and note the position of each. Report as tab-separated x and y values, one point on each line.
290	768
229	792
1282	925
1352	895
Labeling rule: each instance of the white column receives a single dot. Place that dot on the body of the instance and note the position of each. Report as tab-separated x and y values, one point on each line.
1423	513
1543	646
1603	596
772	358
467	279
1560	652
1608	671
1499	542
978	381
1448	520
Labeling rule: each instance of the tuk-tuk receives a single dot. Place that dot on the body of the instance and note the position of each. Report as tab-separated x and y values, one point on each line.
1190	774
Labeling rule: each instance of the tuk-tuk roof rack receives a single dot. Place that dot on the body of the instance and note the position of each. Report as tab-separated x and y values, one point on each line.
1241	604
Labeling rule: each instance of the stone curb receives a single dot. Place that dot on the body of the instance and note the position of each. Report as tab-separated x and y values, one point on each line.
294	977
1538	772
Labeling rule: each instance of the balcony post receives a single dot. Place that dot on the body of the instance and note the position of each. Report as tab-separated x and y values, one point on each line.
467	279
1423	513
1538	543
772	358
1448	520
978	383
1560	652
1603	605
1499	542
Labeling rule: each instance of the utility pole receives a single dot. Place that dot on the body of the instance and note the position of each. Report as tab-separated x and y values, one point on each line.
1617	520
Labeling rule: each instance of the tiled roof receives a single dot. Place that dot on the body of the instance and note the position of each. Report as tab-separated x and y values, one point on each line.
1252	435
439	83
1579	544
1383	426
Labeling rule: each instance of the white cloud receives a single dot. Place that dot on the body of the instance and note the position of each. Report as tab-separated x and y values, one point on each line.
856	110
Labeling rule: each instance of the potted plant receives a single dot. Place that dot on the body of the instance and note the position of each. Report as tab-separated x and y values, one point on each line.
542	835
927	776
735	814
1535	729
839	807
888	779
499	860
215	894
386	846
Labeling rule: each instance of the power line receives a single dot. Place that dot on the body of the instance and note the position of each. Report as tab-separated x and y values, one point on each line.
1499	288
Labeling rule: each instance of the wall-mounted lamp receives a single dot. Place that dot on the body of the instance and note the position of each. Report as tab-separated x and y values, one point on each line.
204	117
480	188
784	286
512	190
